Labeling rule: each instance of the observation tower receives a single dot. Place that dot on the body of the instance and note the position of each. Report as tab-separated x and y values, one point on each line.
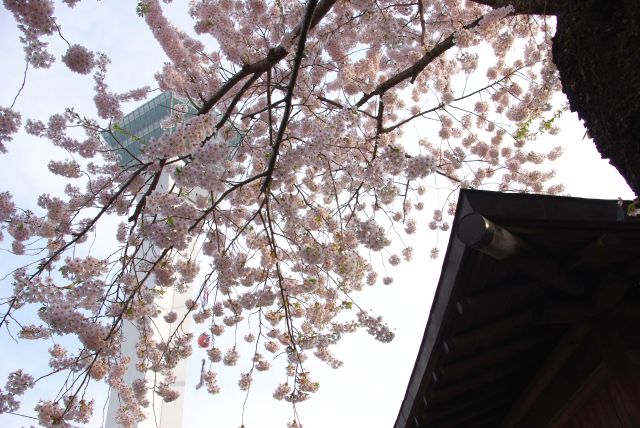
134	130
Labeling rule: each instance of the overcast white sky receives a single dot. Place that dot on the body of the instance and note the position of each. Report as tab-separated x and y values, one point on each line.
368	389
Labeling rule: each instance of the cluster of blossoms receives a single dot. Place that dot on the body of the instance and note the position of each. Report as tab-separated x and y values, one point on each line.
375	327
139	388
210	379
282	391
261	364
284	194
245	381
17	383
7	208
371	235
79	59
168	395
183	74
34	332
186	139
108	103
437	222
53	415
215	354
35	19
62	359
421	166
9	124
63	318
66	168
231	357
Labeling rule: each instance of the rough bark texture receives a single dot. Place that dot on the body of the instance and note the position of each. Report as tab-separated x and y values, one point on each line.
597	51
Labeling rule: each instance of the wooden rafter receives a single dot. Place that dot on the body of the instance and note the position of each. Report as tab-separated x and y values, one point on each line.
558	358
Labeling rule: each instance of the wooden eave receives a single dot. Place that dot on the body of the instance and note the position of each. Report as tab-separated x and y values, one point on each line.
540	315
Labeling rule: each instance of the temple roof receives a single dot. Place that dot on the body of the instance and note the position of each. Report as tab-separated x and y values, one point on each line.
537	294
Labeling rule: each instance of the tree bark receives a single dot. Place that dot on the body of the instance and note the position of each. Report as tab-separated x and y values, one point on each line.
526	7
596	50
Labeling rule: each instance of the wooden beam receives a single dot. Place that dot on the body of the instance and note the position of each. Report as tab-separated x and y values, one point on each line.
498	243
437	412
556	360
607	296
582	394
482	307
490	357
445	393
472	418
548	272
579	398
622	370
562	313
489	335
600	253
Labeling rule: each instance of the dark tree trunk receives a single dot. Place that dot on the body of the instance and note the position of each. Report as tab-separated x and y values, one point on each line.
527	7
597	51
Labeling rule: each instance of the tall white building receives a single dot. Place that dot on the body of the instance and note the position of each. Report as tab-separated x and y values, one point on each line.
134	130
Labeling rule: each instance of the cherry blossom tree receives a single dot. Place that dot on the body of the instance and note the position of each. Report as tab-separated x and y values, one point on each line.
322	93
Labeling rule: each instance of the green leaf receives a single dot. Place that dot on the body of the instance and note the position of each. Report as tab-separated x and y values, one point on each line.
142	9
126	133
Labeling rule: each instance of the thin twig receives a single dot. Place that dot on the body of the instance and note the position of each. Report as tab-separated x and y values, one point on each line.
24	80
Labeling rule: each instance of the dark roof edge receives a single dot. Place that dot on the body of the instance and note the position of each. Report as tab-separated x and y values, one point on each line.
526	206
519	206
450	265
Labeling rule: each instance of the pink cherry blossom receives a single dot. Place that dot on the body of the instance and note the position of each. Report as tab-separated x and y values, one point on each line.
79	59
287	174
9	124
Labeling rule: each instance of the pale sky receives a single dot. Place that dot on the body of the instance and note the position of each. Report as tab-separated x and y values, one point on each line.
368	389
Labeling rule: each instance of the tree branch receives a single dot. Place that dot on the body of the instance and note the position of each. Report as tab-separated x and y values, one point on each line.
302	41
154	183
413	71
422	23
274	56
235	100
